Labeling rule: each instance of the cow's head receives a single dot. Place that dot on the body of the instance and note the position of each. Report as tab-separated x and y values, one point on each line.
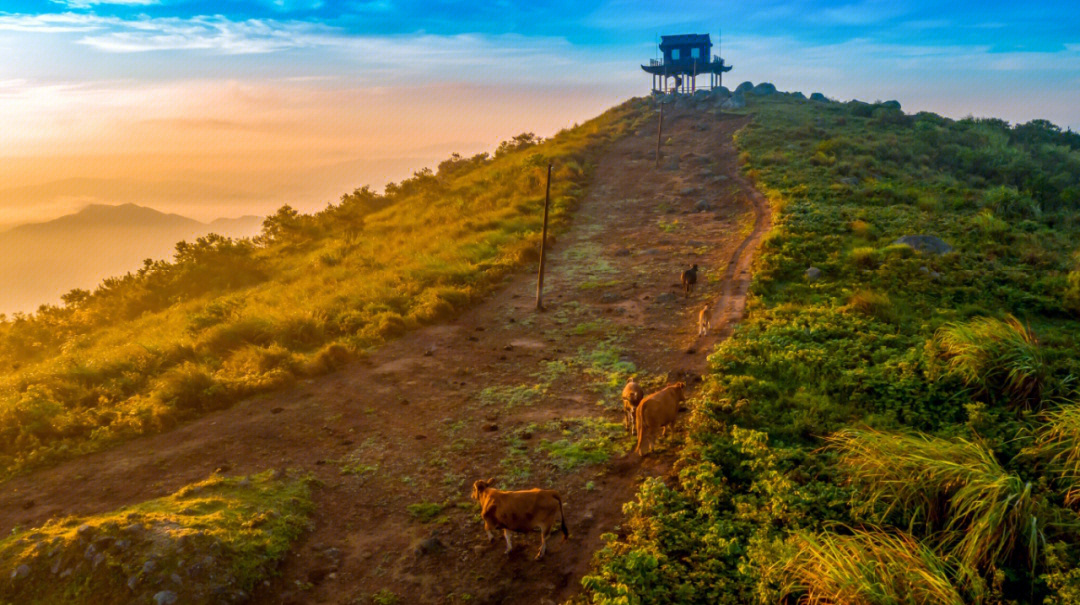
479	486
678	389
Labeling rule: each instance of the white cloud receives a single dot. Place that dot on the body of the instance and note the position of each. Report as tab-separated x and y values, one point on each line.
89	3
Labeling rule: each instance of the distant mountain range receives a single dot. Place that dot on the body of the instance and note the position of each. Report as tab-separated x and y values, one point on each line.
41	261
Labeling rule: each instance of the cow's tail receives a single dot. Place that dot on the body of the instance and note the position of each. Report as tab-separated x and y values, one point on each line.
562	520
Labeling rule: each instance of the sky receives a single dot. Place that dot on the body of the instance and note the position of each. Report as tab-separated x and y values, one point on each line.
231	107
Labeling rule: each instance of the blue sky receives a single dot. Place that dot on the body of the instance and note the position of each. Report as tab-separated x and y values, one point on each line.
386	84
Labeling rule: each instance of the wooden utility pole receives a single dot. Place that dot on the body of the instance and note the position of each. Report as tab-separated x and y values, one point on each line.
543	244
659	132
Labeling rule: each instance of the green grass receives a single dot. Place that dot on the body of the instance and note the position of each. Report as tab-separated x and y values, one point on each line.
955	487
585	441
221	534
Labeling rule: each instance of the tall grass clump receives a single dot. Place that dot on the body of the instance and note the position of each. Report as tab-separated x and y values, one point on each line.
958	488
995	357
1057	442
869	567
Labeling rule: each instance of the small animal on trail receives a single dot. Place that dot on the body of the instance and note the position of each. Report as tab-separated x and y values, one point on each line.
655	413
689	278
631	397
704	320
521	511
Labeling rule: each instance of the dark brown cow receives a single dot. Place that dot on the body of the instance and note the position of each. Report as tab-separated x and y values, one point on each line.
655	413
521	511
688	279
631	397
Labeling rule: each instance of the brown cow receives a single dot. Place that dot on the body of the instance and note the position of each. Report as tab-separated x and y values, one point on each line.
521	511
656	412
631	397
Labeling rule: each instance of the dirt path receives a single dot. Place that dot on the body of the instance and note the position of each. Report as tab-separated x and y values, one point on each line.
528	398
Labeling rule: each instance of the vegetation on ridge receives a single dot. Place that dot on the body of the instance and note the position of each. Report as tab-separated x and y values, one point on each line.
228	318
945	384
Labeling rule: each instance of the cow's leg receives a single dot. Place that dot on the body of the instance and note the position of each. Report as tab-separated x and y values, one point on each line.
491	536
506	534
543	542
627	421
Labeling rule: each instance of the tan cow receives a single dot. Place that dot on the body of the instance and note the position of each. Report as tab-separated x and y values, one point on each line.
655	413
521	511
631	397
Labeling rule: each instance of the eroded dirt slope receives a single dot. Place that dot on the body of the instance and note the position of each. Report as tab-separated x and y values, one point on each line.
503	391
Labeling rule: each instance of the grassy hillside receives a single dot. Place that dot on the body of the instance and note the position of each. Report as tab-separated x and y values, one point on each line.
904	427
210	542
228	318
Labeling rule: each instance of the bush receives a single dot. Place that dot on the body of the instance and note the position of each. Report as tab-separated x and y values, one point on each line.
999	359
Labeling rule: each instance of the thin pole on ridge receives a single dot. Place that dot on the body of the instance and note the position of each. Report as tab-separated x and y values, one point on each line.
659	132
543	244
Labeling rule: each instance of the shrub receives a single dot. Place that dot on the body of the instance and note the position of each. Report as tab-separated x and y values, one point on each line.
995	357
1009	203
868	567
873	304
865	257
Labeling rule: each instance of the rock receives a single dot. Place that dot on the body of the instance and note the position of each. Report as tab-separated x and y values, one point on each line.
666	297
429	545
812	274
610	297
622	252
701	94
490	428
892	103
745	86
820	98
84	531
20	572
702	206
798	95
277	410
165	597
149	566
763	90
737	101
927	244
98	559
132	582
850	181
672	164
176	579
688	190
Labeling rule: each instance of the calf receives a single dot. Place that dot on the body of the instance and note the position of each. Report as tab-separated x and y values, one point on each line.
655	413
631	397
689	278
704	321
521	511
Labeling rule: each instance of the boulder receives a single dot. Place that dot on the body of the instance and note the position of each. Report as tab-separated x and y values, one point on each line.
820	98
702	206
892	104
927	244
666	297
737	101
745	86
812	274
798	95
764	89
165	597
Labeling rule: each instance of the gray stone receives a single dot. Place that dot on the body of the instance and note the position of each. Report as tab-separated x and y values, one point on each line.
176	579
799	95
745	86
689	190
165	597
737	101
702	206
610	297
927	244
84	531
622	252
149	566
666	297
812	274
132	582
428	546
98	559
21	572
764	89
820	98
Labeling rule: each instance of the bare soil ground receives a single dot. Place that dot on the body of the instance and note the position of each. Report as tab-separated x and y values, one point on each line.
502	391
